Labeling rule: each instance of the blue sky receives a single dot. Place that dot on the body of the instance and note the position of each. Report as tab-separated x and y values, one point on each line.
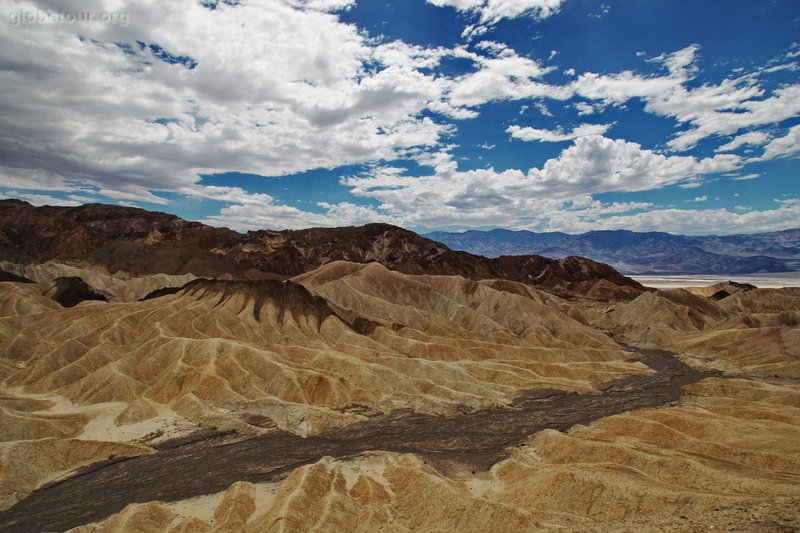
567	115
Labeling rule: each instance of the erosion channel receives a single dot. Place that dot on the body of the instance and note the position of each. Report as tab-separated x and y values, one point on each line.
206	464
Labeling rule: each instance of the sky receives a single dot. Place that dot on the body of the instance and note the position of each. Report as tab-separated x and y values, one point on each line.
547	115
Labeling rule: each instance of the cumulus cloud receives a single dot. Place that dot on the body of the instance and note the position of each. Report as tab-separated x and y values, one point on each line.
248	216
584	108
707	109
502	75
543	109
688	221
151	105
559	135
249	211
171	95
127	112
514	198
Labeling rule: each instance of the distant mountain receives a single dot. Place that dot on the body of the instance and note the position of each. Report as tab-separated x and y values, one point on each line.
141	242
643	253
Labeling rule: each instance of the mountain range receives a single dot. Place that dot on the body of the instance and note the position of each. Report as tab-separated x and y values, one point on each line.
643	253
140	242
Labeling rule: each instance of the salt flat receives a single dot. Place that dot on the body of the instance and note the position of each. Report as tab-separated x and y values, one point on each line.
765	280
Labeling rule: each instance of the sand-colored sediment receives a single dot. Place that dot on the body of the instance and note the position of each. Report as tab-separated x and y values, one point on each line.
729	454
251	356
431	344
756	332
348	341
117	286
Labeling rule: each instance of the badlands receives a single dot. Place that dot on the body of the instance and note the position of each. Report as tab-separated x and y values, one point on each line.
161	375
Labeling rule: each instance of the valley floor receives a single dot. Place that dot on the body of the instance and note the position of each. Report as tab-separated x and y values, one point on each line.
675	281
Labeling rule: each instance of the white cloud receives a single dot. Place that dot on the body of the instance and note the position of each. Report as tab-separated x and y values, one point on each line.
703	198
243	217
784	146
746	177
490	12
559	135
504	75
543	109
38	179
228	194
83	199
558	192
323	5
777	68
604	10
40	199
514	198
588	206
709	110
584	108
751	138
725	109
598	164
620	87
680	63
261	211
493	11
132	194
688	221
296	89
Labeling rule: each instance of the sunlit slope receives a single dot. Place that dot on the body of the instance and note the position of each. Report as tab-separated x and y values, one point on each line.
727	456
429	343
755	332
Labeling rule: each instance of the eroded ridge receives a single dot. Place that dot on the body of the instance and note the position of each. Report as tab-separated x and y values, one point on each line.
210	464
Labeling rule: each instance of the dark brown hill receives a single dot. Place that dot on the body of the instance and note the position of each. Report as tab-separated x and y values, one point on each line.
70	291
116	237
8	276
144	242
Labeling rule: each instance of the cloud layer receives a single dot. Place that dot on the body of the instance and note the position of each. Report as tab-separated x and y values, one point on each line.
136	111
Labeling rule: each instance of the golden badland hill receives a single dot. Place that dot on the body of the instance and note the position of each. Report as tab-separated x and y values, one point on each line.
374	387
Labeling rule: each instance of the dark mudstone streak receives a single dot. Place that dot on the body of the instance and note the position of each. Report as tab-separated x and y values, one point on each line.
8	276
211	462
70	291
